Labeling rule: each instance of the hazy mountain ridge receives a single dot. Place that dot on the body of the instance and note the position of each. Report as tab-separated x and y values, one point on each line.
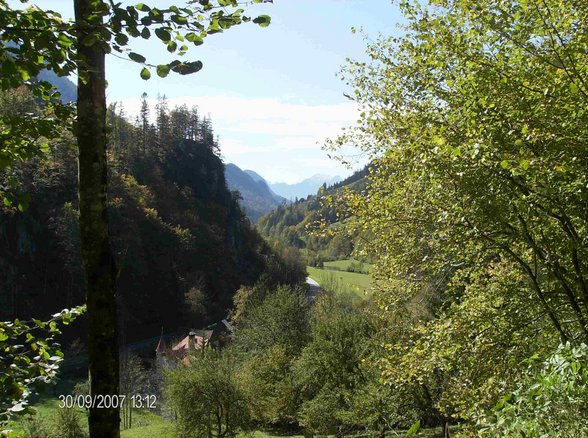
253	174
68	90
257	197
306	187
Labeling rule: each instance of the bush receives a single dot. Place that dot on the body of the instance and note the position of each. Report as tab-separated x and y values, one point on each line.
356	266
207	397
279	318
268	383
68	424
328	371
551	400
35	426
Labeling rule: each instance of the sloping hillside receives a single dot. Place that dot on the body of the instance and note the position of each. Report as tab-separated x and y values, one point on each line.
289	223
182	245
257	198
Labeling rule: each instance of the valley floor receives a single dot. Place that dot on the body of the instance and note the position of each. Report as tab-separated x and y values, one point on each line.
343	281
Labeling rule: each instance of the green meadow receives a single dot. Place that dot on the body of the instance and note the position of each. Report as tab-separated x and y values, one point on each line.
343	281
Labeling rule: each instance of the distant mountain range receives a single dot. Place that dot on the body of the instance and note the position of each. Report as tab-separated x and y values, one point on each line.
258	198
68	90
304	188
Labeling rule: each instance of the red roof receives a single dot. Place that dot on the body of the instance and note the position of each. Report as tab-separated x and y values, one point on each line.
201	339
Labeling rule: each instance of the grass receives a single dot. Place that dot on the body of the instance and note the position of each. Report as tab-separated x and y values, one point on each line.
262	434
343	265
146	423
46	410
347	281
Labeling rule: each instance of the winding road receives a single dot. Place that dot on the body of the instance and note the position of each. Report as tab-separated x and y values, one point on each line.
313	288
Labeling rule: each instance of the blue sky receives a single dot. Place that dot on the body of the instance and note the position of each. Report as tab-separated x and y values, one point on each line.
271	92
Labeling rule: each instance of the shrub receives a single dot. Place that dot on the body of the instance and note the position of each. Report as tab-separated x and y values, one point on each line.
68	424
207	397
35	426
550	400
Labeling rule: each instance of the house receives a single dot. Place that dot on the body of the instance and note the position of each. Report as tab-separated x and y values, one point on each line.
212	336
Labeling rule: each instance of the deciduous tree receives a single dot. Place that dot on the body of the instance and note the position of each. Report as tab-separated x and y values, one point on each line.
477	206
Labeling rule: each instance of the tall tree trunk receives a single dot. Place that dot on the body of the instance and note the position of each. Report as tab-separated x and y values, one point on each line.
97	259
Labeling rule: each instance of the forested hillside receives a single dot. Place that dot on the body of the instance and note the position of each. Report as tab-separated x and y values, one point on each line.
291	224
182	244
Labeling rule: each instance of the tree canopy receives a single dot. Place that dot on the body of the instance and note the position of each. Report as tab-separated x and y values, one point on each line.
476	124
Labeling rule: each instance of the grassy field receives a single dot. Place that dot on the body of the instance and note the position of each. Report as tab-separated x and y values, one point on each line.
343	265
147	424
345	281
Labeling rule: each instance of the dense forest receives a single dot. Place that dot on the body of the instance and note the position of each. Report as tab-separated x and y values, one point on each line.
173	223
308	224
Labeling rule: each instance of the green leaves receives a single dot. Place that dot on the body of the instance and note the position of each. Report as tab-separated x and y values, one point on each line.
30	358
193	38
574	88
262	20
176	24
186	68
208	386
163	34
414	429
142	7
137	57
547	399
145	73
163	70
475	128
172	46
179	19
121	39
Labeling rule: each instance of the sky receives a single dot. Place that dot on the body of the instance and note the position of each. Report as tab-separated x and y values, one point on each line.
272	93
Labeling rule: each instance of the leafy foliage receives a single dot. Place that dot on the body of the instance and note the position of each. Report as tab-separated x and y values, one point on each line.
24	134
276	318
41	39
30	358
476	204
550	398
329	369
271	329
207	397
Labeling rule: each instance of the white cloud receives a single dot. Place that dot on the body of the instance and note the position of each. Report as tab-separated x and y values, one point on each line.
267	133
